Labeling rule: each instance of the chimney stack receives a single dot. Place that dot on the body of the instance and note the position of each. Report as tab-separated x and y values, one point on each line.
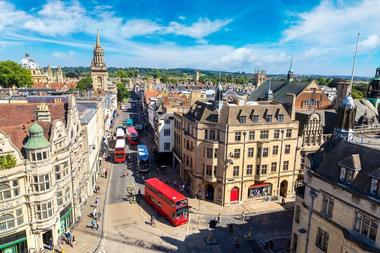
43	113
291	105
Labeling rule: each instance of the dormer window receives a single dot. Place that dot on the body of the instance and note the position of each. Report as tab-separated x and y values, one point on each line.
346	175
374	186
242	119
255	118
268	118
280	118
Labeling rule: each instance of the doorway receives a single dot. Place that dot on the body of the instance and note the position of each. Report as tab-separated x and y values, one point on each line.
210	192
234	194
284	188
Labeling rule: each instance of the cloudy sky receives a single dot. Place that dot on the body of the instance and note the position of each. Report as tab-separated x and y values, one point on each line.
240	35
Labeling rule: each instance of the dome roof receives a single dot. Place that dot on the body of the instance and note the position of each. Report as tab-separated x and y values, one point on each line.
36	138
348	102
28	63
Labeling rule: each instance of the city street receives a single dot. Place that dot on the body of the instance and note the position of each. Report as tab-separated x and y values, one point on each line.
127	225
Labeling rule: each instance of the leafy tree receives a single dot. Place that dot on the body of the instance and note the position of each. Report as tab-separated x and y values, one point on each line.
84	83
122	92
357	94
7	162
13	74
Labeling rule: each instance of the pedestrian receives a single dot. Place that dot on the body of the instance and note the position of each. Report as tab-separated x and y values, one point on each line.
73	241
93	224
96	202
97	224
106	173
243	216
219	218
283	201
94	213
139	193
61	249
51	243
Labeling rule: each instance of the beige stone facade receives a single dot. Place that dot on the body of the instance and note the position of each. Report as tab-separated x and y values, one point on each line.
238	153
41	197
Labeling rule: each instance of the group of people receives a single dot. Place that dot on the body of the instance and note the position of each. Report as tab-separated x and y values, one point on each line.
95	215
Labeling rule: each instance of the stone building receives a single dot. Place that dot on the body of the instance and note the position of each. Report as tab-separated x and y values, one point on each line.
229	153
373	93
309	95
41	196
337	210
259	77
41	77
99	73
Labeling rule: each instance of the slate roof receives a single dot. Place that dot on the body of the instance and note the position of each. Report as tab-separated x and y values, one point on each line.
279	88
334	154
229	114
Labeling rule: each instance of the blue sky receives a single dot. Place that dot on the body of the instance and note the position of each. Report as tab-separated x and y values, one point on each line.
235	35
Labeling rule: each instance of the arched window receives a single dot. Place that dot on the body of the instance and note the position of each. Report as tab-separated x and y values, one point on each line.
7	221
100	81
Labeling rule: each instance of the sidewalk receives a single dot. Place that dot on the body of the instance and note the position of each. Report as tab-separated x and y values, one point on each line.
87	240
252	207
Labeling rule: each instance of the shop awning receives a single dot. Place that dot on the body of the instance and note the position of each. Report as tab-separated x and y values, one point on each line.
260	185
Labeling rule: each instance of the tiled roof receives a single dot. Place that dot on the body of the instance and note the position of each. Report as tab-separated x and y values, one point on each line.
334	154
279	87
17	118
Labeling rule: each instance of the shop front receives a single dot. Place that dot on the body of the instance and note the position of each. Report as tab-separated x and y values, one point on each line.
66	218
15	243
259	190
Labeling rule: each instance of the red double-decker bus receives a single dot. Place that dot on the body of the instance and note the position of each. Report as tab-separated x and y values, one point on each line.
120	151
132	136
167	201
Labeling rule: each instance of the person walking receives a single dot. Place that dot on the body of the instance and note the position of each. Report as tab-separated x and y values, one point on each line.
94	213
106	173
219	218
243	216
96	202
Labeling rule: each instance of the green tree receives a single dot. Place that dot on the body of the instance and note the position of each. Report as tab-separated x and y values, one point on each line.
122	92
13	74
357	94
84	83
7	162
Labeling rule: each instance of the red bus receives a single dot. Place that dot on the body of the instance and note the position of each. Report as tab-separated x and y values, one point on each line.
120	134
167	201
132	136
120	151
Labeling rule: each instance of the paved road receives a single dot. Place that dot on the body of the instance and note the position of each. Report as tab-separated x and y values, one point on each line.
130	233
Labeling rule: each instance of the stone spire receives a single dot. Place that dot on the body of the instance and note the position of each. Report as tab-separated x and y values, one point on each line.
59	74
98	55
50	74
269	93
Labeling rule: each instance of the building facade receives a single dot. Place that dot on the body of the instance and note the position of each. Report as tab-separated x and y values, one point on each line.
337	210
230	153
42	194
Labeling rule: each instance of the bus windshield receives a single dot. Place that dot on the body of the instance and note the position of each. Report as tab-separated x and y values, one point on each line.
182	213
182	203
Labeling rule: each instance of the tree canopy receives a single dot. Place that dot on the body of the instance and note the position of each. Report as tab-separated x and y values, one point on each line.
12	73
84	83
122	92
7	162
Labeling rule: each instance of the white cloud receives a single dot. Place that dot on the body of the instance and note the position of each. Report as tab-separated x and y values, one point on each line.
181	17
64	55
138	27
372	42
199	29
10	17
58	18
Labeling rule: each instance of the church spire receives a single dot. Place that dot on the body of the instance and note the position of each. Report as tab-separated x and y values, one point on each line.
97	38
219	95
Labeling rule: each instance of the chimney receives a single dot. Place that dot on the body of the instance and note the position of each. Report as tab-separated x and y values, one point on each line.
290	105
343	90
43	113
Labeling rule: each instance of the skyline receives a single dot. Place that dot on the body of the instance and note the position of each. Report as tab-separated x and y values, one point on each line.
212	35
